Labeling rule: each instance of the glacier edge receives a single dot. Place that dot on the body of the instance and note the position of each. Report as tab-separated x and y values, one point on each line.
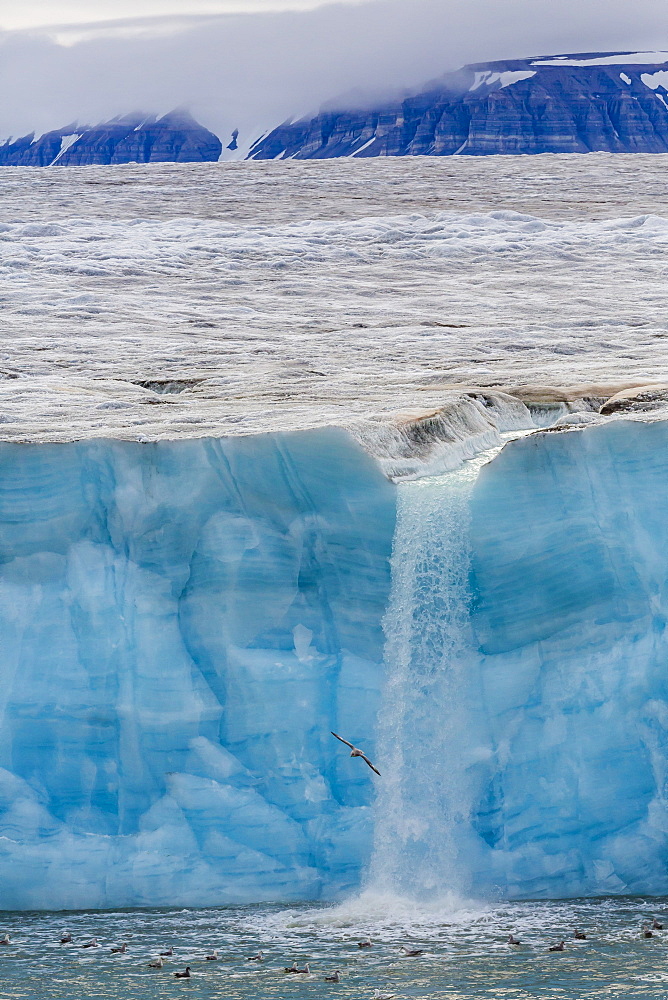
184	622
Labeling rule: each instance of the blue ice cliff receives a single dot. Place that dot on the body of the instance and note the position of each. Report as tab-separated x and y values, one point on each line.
184	622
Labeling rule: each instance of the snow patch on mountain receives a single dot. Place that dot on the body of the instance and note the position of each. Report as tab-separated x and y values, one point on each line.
654	80
632	58
488	78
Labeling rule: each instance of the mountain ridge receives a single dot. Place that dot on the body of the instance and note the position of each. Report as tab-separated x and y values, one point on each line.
137	137
571	103
566	103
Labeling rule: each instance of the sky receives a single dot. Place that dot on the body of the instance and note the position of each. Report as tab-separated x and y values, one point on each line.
250	64
21	14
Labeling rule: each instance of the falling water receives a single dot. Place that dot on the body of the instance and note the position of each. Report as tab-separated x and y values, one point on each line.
425	797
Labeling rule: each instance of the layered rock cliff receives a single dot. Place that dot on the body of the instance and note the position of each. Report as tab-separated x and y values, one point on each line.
174	138
614	102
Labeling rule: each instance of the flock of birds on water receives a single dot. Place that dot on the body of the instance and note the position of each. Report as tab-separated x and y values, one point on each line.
647	932
335	977
159	962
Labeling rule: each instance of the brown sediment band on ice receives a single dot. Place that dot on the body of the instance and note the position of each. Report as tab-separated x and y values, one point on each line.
532	394
644	397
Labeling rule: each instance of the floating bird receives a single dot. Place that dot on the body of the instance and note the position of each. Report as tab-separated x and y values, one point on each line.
166	954
513	940
213	957
656	925
158	964
92	944
306	971
256	958
365	944
379	995
120	950
647	932
335	978
354	752
293	968
66	938
557	947
5	939
413	952
579	935
183	975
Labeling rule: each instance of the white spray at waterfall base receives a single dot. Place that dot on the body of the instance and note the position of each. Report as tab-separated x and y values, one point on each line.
424	804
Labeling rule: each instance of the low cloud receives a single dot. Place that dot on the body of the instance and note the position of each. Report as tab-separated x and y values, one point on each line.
252	71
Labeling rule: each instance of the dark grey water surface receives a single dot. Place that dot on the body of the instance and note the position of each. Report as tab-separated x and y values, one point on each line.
465	951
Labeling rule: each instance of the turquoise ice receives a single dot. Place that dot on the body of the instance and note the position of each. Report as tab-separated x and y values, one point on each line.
182	623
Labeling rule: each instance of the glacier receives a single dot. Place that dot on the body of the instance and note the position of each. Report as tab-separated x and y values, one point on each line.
183	623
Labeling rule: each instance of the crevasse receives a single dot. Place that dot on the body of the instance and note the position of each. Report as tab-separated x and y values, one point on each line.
183	623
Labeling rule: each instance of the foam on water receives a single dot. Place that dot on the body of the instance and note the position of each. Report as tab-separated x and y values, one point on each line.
465	952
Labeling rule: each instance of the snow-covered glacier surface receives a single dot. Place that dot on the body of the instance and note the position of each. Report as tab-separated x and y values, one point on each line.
183	623
191	300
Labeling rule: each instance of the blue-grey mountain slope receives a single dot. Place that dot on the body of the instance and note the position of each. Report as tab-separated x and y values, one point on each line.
174	138
615	102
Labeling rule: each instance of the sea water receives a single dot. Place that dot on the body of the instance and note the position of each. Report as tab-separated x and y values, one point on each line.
465	951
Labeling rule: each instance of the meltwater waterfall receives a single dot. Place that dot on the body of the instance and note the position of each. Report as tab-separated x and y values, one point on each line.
523	731
425	797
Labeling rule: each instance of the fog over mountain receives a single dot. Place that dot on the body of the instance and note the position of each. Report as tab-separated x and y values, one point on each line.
251	71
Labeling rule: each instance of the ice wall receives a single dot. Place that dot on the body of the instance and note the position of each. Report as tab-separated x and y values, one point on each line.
570	575
182	624
525	711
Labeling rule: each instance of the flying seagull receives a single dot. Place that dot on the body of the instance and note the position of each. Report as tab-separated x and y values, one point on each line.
354	752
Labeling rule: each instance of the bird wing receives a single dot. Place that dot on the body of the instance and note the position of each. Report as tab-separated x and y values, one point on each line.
342	740
364	757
